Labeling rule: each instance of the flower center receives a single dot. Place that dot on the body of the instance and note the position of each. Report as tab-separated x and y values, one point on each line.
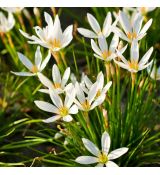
132	36
133	65
86	105
34	69
103	158
57	85
63	111
106	54
55	43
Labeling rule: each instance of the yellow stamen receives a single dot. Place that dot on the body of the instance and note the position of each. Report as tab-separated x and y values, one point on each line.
143	10
103	158
56	85
63	111
132	36
133	65
86	105
106	54
55	43
98	93
34	69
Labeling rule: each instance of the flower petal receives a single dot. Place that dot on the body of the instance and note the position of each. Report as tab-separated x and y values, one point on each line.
102	44
80	93
91	147
27	74
38	57
92	92
111	164
107	25
87	33
52	119
95	47
46	60
55	98
86	160
124	21
146	27
137	23
45	81
56	74
146	57
65	77
105	142
67	118
73	109
117	153
114	43
45	106
134	51
93	23
26	62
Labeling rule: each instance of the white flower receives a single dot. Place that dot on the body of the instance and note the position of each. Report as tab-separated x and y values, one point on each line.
51	36
101	88
13	9
154	72
97	31
6	24
62	109
58	84
132	29
95	93
102	157
134	65
38	66
103	52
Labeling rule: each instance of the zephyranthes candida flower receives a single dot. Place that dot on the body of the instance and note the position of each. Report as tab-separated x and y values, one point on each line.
88	99
101	157
6	24
134	65
104	52
51	36
38	65
58	84
97	31
63	110
132	29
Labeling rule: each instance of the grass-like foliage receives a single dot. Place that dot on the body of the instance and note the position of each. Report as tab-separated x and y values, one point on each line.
83	91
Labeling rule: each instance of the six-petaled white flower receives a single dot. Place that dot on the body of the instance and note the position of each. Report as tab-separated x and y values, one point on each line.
101	157
132	30
38	66
51	36
88	99
6	24
104	52
134	65
63	110
101	89
97	31
58	84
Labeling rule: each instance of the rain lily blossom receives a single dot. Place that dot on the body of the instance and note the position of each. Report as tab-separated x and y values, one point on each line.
93	97
6	24
154	72
51	36
97	31
102	90
101	157
103	52
38	66
132	29
63	110
58	84
134	65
